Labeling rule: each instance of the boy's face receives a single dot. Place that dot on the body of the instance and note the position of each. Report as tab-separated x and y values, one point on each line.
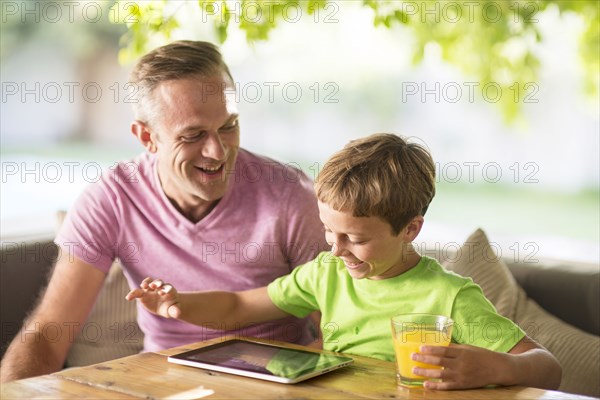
366	244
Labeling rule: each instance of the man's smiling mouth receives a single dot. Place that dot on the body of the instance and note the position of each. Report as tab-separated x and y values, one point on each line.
211	170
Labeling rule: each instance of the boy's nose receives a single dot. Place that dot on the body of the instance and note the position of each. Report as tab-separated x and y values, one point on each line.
336	250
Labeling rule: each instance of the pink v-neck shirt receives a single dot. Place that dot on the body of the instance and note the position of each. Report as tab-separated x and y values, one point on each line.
266	224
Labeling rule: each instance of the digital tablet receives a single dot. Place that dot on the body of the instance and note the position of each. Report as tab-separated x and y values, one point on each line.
261	360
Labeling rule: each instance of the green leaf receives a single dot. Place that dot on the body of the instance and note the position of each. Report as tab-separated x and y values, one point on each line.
478	43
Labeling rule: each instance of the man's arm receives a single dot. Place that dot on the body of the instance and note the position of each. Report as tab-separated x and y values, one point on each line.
233	310
42	345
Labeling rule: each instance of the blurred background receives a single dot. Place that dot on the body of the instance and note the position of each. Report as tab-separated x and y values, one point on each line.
517	149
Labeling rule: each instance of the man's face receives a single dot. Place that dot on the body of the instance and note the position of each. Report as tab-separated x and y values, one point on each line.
197	137
366	245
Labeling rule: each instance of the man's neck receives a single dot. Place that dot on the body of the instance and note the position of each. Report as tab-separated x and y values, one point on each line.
193	208
195	212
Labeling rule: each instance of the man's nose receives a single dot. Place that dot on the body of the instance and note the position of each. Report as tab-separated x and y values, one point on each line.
214	147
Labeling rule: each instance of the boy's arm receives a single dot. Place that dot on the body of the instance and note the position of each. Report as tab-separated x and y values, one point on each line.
232	310
465	366
537	367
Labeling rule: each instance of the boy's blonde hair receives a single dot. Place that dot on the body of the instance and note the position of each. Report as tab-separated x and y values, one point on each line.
382	175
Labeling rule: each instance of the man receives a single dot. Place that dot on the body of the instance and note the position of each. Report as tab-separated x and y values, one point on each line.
194	208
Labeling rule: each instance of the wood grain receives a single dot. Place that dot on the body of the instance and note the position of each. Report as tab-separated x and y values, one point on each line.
150	376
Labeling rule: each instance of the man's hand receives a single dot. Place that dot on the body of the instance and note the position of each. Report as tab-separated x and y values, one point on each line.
158	297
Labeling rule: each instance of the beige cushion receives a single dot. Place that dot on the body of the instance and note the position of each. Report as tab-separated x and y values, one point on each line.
577	351
477	260
111	330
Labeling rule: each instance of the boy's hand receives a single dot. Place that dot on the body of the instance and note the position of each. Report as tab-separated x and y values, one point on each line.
465	366
157	297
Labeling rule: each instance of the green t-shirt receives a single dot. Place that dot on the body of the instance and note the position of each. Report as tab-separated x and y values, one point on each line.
356	312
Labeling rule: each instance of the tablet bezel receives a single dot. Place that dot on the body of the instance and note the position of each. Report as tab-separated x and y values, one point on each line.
183	359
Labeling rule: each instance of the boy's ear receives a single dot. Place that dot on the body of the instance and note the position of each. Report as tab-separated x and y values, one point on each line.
411	231
140	130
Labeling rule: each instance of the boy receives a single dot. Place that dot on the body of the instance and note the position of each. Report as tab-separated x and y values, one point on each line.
372	196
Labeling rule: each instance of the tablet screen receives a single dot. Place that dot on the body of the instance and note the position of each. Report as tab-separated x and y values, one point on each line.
261	360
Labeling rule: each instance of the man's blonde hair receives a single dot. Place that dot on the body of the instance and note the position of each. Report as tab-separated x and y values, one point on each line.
382	175
177	60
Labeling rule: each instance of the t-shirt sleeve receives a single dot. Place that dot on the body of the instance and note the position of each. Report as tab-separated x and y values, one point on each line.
477	323
90	229
295	293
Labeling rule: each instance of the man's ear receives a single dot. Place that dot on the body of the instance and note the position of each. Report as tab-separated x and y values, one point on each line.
140	130
411	231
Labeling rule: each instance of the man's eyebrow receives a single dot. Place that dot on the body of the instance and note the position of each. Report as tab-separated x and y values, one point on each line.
191	128
194	128
231	118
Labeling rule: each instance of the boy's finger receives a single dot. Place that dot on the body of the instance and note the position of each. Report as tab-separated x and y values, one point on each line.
174	311
157	283
427	359
427	372
442	351
439	385
146	282
133	294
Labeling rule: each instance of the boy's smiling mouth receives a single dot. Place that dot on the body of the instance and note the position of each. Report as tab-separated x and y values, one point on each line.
353	265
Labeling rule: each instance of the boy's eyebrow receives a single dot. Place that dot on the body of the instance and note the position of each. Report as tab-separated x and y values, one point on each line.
357	234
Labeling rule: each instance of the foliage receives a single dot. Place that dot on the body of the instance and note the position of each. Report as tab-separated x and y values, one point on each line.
490	40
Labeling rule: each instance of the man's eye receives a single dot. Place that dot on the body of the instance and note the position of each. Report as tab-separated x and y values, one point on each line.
188	139
192	138
231	126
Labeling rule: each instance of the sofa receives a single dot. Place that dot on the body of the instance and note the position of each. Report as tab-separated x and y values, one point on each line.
556	303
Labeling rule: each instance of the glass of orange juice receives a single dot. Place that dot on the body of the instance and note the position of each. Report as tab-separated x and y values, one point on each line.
409	332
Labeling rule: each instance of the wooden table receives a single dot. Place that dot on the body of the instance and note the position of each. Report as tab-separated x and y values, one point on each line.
150	376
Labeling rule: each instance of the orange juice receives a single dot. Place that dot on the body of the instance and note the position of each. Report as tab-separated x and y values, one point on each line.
407	343
409	332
